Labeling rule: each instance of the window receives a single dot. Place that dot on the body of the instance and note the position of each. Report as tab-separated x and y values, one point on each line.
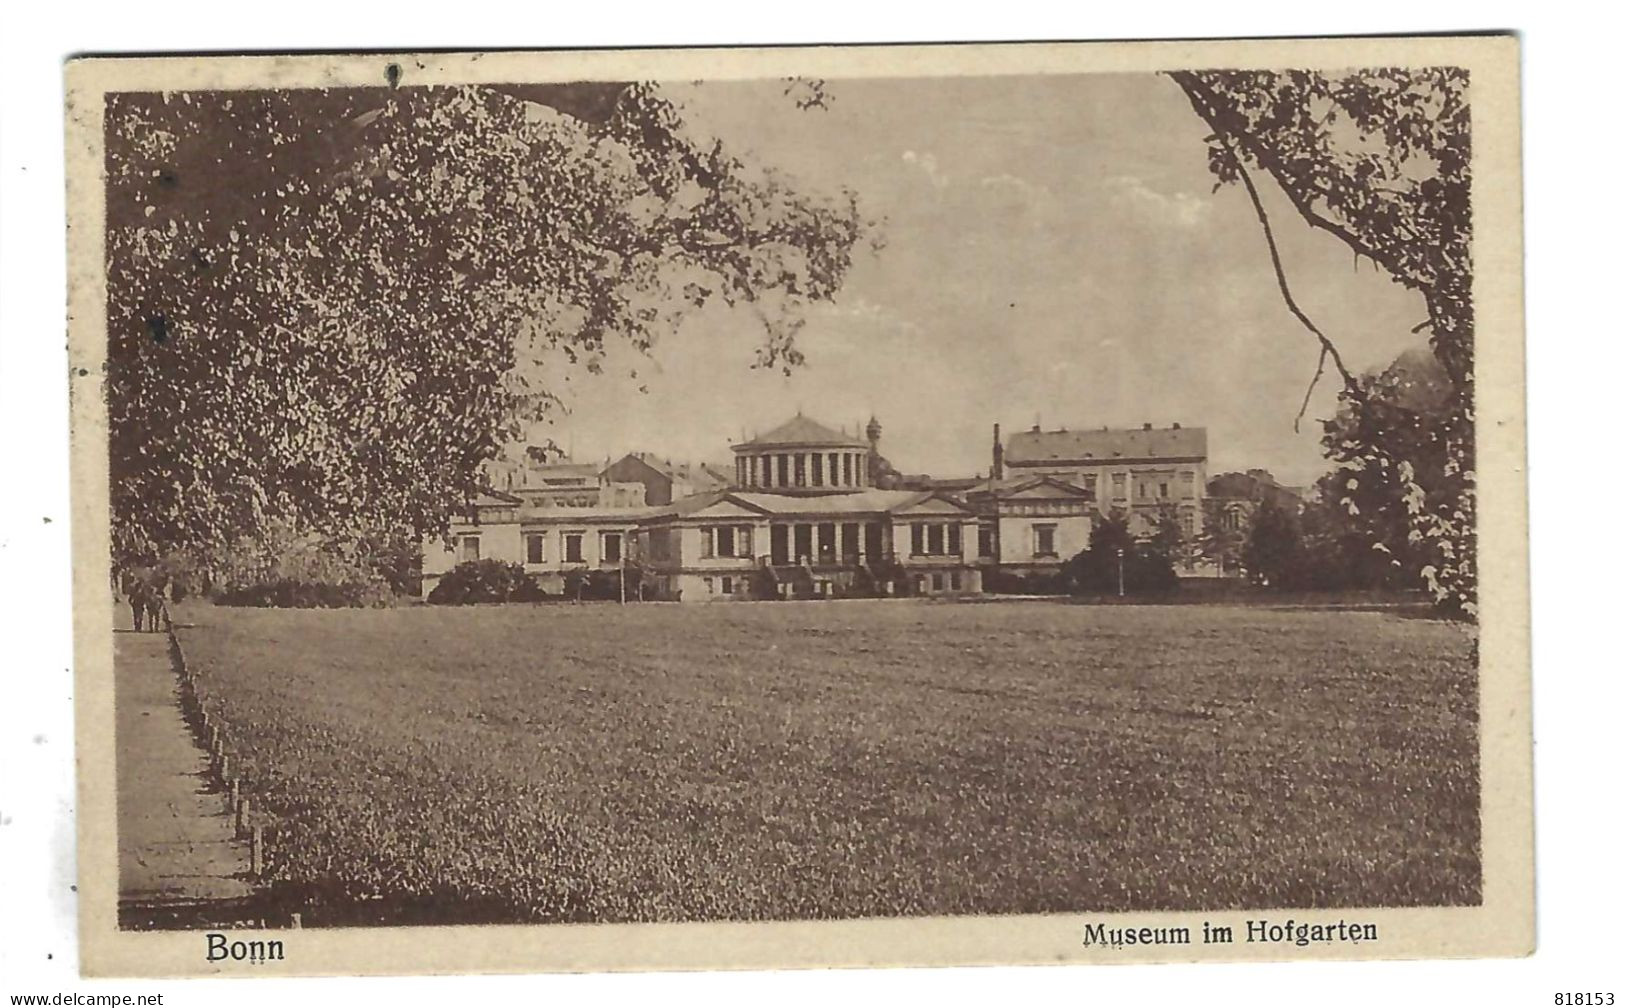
801	469
953	580
1119	483
725	541
936	582
818	469
743	542
611	547
984	541
826	541
917	539
919	583
708	542
1088	482
803	537
1043	540
535	548
846	469
710	586
727	586
933	540
660	544
1162	490
956	545
572	547
468	548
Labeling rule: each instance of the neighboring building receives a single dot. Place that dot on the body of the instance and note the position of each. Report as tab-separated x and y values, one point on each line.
1031	524
1232	500
664	481
1138	472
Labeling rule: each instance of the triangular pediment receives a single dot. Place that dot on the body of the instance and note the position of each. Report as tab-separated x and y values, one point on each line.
726	507
1045	489
931	504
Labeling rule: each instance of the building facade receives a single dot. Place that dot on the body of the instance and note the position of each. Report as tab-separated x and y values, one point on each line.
802	520
1031	525
1140	472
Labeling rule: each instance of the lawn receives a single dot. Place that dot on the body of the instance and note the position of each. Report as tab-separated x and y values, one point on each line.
842	759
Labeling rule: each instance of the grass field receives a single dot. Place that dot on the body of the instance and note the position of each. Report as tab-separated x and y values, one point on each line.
838	759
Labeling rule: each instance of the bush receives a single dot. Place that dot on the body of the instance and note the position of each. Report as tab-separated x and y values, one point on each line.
292	593
486	580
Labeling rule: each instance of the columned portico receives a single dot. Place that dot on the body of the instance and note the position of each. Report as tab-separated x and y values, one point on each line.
802	456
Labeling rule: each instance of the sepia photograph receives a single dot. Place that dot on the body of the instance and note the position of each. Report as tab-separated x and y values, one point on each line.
1044	489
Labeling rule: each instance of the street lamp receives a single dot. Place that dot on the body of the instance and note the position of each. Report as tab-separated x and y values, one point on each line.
1119	572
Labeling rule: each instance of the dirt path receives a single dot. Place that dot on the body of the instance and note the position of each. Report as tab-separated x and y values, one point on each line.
178	857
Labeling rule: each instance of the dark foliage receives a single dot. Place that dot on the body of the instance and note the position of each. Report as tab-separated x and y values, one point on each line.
1118	563
486	580
292	593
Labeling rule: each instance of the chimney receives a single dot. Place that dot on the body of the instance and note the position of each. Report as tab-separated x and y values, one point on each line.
1176	425
1145	426
997	472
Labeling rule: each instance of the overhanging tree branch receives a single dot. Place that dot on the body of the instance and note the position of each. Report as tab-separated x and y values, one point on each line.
1199	101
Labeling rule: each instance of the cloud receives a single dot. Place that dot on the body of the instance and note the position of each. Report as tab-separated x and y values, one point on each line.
927	163
1037	196
1181	208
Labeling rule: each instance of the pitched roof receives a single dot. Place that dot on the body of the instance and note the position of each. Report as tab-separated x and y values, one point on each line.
697	473
1039	446
800	430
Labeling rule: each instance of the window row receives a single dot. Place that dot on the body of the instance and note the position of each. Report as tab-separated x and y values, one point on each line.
934	539
572	547
951	581
729	585
725	541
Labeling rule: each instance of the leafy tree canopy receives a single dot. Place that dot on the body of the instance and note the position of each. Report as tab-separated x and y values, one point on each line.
331	306
1381	159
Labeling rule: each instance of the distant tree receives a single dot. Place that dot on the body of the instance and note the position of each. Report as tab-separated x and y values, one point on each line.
1221	538
1115	558
1407	405
330	306
1167	538
1382	160
1274	554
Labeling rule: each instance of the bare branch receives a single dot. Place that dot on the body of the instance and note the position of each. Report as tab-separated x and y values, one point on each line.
1320	369
1200	102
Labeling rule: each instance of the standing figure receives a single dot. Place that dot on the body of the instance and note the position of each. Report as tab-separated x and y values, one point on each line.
136	591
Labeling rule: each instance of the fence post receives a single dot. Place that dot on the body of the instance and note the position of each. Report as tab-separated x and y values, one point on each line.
242	818
256	852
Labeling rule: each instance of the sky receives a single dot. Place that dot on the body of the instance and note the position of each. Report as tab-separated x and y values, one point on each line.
1054	253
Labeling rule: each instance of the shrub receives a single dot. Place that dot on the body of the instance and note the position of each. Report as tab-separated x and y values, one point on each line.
485	580
293	593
